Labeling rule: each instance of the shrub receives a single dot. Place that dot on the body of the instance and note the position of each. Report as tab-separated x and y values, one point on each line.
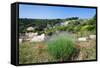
61	46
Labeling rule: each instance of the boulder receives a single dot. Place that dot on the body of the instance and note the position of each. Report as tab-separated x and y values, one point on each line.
92	37
83	39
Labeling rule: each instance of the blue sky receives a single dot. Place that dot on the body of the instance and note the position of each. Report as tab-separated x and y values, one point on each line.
54	12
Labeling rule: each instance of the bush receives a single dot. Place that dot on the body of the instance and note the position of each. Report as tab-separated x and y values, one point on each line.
61	46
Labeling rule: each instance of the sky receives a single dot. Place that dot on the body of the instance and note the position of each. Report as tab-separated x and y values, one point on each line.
54	12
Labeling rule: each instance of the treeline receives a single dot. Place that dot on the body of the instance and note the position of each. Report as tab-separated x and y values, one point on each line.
49	26
40	24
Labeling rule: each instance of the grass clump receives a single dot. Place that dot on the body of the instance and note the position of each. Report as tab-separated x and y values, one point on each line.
61	46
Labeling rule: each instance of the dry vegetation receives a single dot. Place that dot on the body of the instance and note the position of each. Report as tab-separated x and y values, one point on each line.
57	49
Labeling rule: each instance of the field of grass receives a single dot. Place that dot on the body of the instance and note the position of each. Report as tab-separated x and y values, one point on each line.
58	48
33	53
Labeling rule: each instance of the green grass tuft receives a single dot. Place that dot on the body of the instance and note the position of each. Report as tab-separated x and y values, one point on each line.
61	46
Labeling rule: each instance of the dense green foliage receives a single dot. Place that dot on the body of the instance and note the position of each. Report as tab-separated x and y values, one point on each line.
49	26
36	23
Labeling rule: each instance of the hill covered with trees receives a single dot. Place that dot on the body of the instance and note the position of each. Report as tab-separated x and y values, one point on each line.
75	25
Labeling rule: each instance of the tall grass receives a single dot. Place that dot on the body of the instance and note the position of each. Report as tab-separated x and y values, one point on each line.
61	46
26	53
33	53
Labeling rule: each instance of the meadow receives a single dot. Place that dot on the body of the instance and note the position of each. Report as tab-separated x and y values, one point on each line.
57	40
